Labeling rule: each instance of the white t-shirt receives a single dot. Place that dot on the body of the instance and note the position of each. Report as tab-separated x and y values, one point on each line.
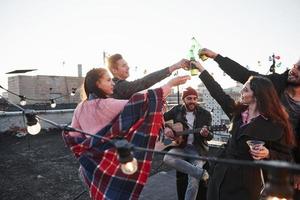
190	117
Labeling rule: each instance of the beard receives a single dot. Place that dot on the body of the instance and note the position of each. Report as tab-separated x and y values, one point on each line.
190	106
292	82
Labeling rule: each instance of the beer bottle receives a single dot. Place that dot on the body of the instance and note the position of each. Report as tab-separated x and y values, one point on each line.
193	68
198	49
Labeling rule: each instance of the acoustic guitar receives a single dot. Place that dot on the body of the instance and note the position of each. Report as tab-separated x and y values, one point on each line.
177	128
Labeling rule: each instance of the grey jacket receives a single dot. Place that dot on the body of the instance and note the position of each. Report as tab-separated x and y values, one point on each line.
125	89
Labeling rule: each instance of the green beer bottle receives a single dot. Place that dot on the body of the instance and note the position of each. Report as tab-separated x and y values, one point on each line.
198	49
193	68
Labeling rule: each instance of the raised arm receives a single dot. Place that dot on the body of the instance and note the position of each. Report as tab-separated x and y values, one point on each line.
236	71
241	74
215	90
125	89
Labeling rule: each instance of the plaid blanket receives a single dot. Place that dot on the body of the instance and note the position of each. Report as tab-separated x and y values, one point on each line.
139	123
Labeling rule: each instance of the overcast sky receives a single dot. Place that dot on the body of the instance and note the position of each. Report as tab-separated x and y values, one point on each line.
150	34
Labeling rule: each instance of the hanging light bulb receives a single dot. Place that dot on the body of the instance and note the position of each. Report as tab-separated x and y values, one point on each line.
275	198
128	163
34	129
73	92
33	125
129	167
212	112
52	103
22	101
278	186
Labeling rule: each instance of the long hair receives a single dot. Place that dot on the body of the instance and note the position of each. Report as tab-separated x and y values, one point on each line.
269	105
90	80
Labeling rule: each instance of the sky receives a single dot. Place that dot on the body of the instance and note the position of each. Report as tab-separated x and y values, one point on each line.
53	36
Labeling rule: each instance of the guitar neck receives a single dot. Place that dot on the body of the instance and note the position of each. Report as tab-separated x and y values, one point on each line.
197	130
189	131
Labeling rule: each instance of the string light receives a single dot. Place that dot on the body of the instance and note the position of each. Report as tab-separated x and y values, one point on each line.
277	187
52	103
34	129
128	163
33	125
73	92
276	198
22	100
212	111
273	58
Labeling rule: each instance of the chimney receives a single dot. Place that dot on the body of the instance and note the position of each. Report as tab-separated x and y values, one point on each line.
79	66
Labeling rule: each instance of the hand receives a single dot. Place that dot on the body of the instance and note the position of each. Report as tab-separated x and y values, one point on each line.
183	63
297	182
208	53
198	65
178	80
169	133
204	131
259	153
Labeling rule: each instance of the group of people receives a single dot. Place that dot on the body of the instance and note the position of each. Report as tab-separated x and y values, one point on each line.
268	110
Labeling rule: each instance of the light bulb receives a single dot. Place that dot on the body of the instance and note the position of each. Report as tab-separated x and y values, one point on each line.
275	198
73	92
53	103
34	129
23	102
130	167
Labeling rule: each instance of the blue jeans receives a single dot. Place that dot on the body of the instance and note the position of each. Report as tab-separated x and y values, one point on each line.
192	167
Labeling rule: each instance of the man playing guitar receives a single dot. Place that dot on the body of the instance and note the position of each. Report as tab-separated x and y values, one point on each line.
191	116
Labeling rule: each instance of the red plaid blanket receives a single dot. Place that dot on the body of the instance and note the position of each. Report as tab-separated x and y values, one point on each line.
139	123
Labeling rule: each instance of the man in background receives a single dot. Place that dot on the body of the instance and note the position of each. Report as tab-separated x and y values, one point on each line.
192	117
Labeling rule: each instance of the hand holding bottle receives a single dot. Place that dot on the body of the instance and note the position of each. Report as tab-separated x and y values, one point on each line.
207	53
198	66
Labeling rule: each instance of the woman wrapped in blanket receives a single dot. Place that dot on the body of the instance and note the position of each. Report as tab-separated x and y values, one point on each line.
257	116
138	120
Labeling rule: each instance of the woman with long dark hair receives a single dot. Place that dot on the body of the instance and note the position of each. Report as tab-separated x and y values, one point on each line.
258	115
138	120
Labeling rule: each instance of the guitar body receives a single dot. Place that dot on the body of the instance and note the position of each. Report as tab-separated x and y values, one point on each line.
166	143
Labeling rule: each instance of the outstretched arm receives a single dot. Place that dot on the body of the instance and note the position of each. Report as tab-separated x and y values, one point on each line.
125	89
236	71
215	90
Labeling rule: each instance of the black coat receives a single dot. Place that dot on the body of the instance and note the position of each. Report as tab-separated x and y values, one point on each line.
230	182
202	118
241	74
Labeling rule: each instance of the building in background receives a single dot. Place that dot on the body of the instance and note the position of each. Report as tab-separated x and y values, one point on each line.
44	87
41	89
